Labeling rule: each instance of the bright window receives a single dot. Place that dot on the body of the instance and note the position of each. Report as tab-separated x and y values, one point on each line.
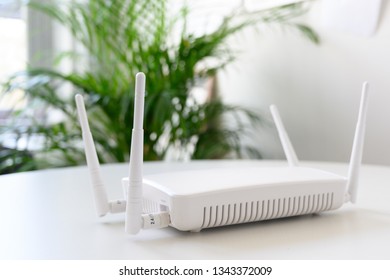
13	46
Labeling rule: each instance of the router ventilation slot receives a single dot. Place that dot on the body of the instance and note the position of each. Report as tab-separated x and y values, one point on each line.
149	206
244	212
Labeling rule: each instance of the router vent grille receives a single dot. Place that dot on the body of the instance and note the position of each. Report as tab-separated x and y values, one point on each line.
149	206
245	212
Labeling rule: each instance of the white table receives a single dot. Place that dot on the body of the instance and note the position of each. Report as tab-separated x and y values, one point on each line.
50	215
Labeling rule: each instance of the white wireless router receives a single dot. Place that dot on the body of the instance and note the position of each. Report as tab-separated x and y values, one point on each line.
198	199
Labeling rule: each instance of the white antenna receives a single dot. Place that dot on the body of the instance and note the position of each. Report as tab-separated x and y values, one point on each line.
99	192
133	222
287	147
357	148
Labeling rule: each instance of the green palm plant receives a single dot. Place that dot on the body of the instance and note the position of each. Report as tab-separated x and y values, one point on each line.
122	38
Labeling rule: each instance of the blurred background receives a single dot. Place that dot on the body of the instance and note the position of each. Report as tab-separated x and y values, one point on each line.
213	68
317	87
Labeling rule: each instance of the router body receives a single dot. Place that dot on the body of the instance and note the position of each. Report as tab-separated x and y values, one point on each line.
196	199
199	199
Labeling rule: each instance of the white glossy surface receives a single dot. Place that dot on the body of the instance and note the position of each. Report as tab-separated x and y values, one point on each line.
220	179
50	215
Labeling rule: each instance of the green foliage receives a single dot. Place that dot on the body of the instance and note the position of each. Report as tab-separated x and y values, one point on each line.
121	39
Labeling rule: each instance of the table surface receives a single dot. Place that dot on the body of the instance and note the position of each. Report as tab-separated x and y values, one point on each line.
50	214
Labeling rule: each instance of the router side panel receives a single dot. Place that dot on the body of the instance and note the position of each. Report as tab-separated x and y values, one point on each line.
183	211
255	204
187	213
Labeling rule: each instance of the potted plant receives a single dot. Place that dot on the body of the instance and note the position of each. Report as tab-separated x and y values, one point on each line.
122	38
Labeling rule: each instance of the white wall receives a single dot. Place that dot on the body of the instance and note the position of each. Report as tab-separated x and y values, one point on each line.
316	88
